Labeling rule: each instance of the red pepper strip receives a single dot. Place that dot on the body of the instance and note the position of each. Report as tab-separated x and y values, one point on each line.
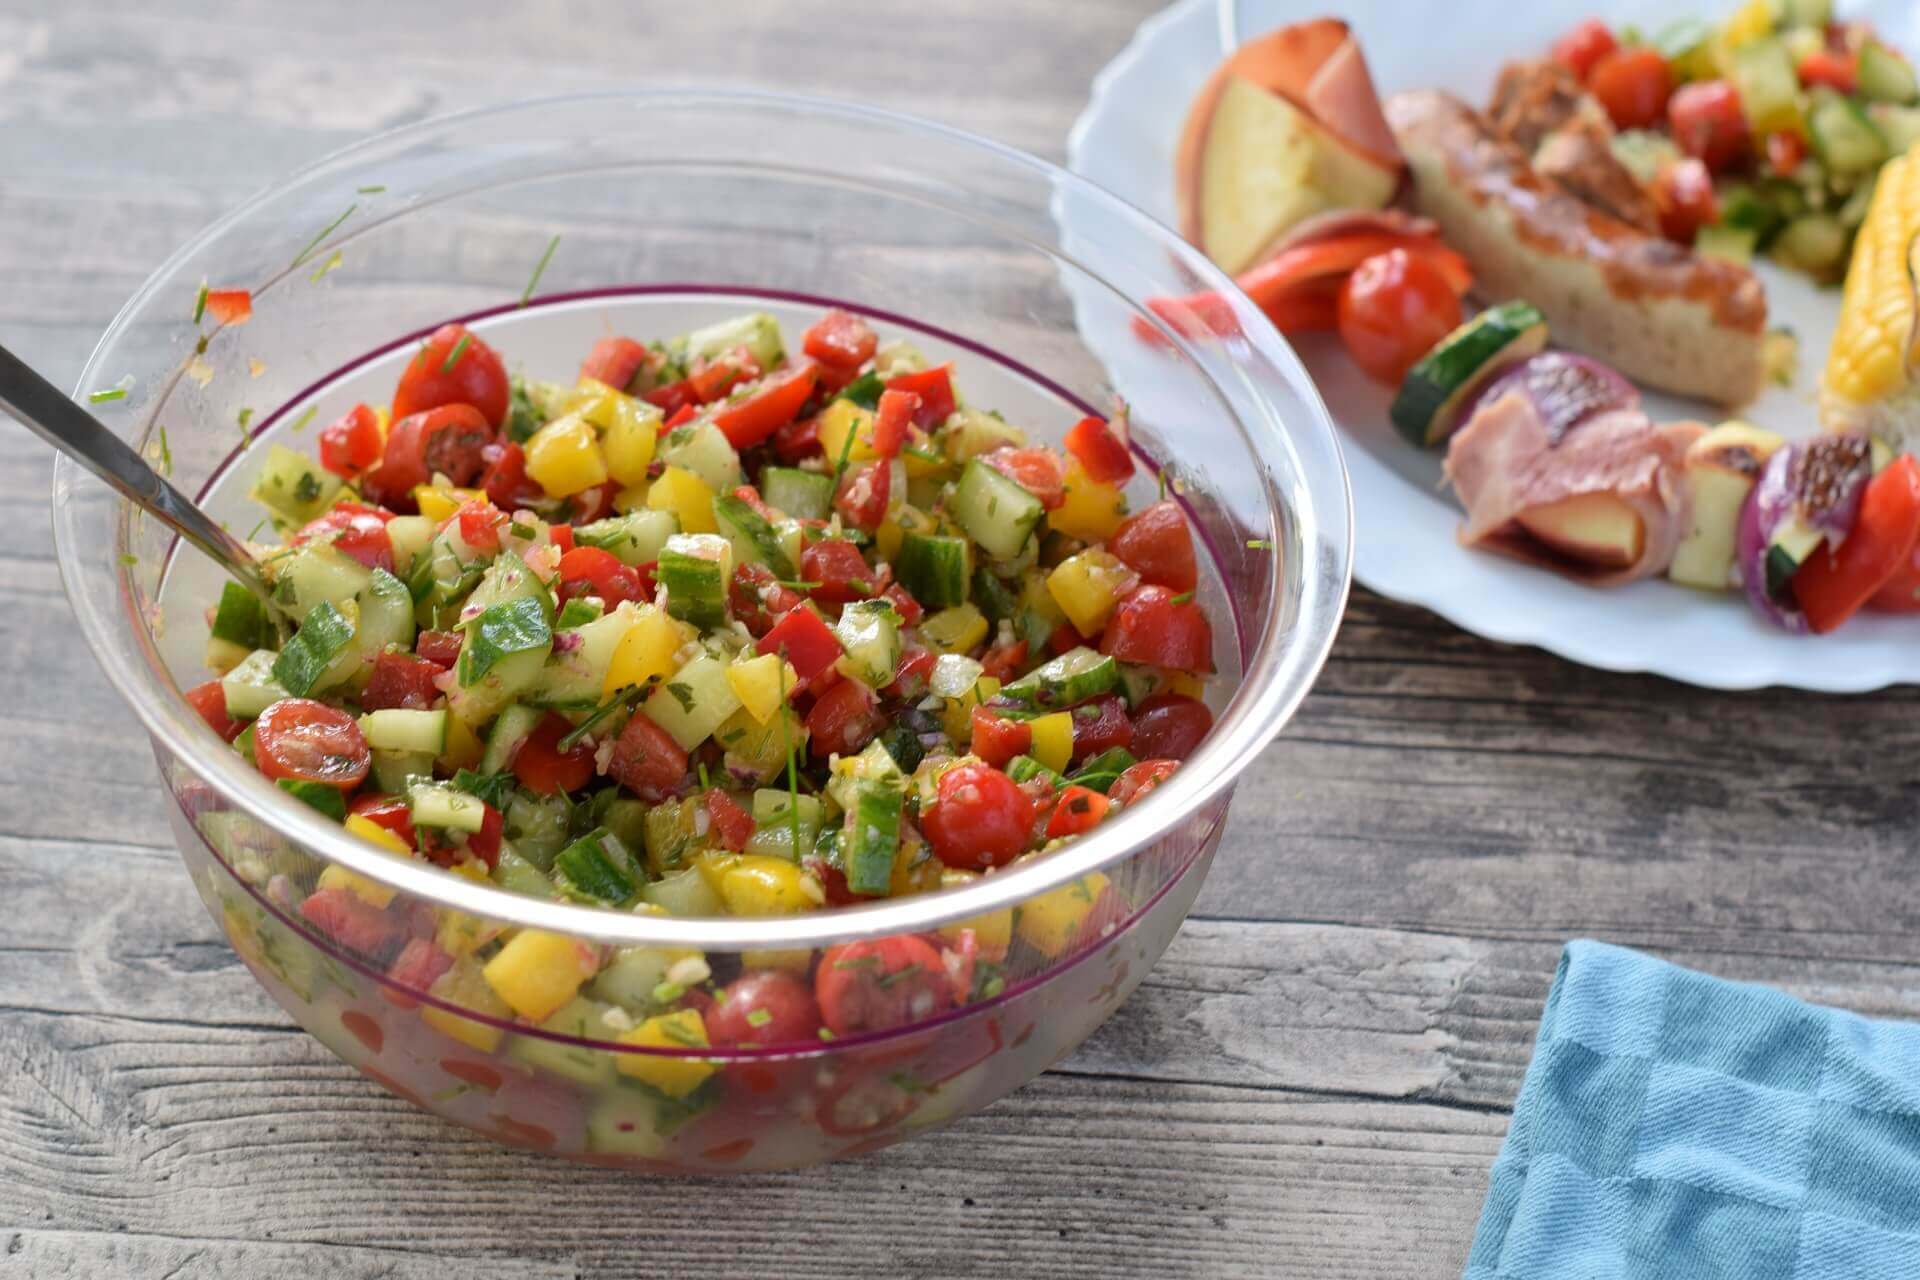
1833	583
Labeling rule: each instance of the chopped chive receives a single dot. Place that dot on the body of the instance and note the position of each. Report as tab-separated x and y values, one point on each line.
300	423
370	191
111	393
245	416
798	585
1160	482
453	356
1260	544
539	269
705	782
601	712
200	303
129	559
325	231
758	1017
1185	597
166	454
320	271
256	528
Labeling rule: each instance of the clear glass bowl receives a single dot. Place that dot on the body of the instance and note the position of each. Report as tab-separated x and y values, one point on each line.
1010	262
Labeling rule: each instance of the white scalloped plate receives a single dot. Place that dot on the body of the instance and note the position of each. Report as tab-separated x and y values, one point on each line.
1405	521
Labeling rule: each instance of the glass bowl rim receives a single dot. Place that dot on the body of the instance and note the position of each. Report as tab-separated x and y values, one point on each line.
1276	674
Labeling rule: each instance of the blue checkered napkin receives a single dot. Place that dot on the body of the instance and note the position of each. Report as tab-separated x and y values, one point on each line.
1674	1126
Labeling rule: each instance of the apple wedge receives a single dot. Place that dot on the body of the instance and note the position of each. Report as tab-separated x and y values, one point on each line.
1721	467
1594	528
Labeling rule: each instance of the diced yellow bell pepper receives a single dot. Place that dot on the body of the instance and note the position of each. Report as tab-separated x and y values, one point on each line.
713	864
1090	511
437	504
756	885
954	630
1087	588
915	870
375	834
956	717
1050	922
460	934
371	892
630	499
763	684
841	419
992	933
645	649
464	986
629	427
1188	685
1751	21
675	1077
537	972
686	495
464	748
564	457
1052	740
901	521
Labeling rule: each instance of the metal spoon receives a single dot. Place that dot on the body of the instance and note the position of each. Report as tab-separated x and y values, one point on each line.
47	412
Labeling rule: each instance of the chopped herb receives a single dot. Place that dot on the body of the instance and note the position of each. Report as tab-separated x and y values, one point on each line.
129	559
1260	544
539	269
680	1035
307	489
245	416
840	467
166	454
256	528
705	783
571	739
904	972
370	191
682	694
798	585
453	356
521	530
668	992
494	788
758	1017
111	393
992	987
925	455
325	231
200	303
330	264
300	423
1185	597
826	1034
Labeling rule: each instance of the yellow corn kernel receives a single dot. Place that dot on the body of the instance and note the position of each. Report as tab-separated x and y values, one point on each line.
1090	511
537	972
992	933
756	885
375	834
564	457
675	1077
1872	380
797	961
762	684
371	892
686	495
463	985
437	504
954	630
841	419
645	649
1050	922
464	748
956	717
1052	740
1087	588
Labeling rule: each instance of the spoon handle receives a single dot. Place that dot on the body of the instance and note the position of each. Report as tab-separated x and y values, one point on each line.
47	412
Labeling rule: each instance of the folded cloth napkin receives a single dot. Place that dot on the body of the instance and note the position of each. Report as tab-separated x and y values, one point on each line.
1682	1127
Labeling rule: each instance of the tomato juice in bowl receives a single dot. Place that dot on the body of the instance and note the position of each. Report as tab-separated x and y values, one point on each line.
956	245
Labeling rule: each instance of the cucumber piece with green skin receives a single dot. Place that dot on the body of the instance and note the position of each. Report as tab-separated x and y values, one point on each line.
311	660
575	676
241	618
317	574
693	702
934	568
222	656
516	874
506	580
702	448
871	837
1843	137
402	730
317	795
292	487
1427	408
1815	243
1885	76
1900	126
757	331
903	744
1807	13
806	495
395	772
385	619
864	390
1068	680
1026	768
244	746
633	539
994	511
578	612
752	535
696	569
434	804
514	725
1769	87
777	816
514	628
1103	770
684	893
1138	683
623	815
538	826
578	1019
596	868
410	536
994	597
1744	207
869	632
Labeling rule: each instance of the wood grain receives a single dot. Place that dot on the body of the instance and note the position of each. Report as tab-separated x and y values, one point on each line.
1311	1084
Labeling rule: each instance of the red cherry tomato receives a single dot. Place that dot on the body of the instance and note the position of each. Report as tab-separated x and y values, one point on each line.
401	681
591	571
1170	726
1683	193
979	819
730	823
391	812
1152	626
1080	810
1831	67
864	493
911	672
1585	45
806	640
842	572
1004	662
935	389
454	367
764	1007
1101	725
1038	471
308	741
713	378
997	740
646	760
441	648
880	984
353	443
447	441
1632	84
1785	151
210	701
614	361
844	719
1157	544
798	440
1137	780
757	597
1392	309
479	522
355	530
891	419
504	480
673	399
543	768
841	339
1707	122
751	420
1100	450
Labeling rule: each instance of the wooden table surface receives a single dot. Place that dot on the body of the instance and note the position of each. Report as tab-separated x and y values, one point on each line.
1312	1083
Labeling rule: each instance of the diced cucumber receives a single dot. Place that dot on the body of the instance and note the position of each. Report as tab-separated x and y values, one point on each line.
515	874
1763	73
447	570
871	837
761	749
934	568
1729	244
242	618
411	536
703	449
516	628
754	538
399	729
574	679
696	569
538	825
243	746
806	495
386	618
222	656
903	744
1885	76
694	702
311	660
1138	683
317	574
1643	153
1815	244
435	804
397	771
1843	137
578	612
1853	213
864	390
757	331
684	893
508	679
293	487
506	580
1103	770
995	512
994	597
578	1019
316	795
1427	408
596	868
777	815
869	631
512	728
623	815
1807	13
1065	681
633	539
1026	768
954	675
970	433
631	976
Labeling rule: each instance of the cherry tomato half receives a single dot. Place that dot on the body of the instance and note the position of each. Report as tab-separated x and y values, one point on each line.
980	818
543	768
844	719
880	984
210	700
355	530
646	760
308	741
353	443
1154	626
1157	544
1392	309
592	571
1100	450
1632	84
1707	122
841	339
774	405
1170	726
1137	780
764	1007
453	367
997	739
448	440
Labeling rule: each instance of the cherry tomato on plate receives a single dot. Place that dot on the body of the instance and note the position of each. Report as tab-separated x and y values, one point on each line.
1392	310
1157	544
980	818
1707	122
504	480
1633	85
1683	193
763	1007
543	768
1582	47
1170	726
308	741
879	984
454	366
210	700
647	761
353	443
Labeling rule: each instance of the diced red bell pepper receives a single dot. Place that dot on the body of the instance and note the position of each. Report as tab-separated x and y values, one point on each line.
997	739
614	361
934	387
806	640
1101	451
798	440
841	339
731	824
230	306
896	412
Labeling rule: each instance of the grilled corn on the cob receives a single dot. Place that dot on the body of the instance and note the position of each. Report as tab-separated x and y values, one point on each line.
1872	382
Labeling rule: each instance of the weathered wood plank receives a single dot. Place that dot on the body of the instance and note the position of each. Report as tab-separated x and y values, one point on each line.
86	1255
